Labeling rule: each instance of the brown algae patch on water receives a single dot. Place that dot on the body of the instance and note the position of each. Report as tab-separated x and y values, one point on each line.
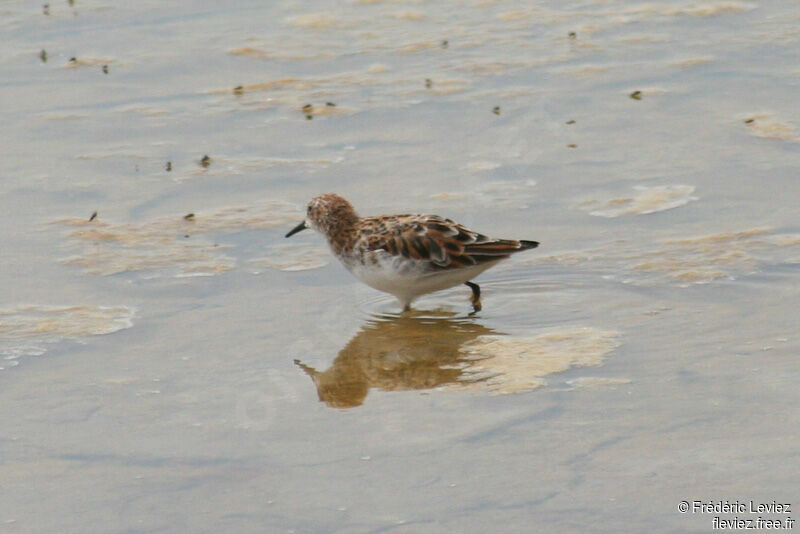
76	62
583	71
293	258
511	364
687	261
23	329
691	62
703	259
409	14
168	242
49	323
648	199
221	166
592	382
314	21
138	109
766	126
703	9
707	258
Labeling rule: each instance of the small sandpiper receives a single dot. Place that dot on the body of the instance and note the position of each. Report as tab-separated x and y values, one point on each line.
406	255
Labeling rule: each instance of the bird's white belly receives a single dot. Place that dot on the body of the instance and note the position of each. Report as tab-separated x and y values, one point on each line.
407	279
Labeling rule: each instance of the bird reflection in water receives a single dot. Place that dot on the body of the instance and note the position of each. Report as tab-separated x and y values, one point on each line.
408	352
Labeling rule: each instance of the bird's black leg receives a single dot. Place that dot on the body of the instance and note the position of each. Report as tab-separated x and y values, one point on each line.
476	296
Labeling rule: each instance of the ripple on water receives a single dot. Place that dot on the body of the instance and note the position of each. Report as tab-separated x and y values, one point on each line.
25	329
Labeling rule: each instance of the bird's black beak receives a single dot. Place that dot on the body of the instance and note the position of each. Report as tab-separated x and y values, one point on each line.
299	228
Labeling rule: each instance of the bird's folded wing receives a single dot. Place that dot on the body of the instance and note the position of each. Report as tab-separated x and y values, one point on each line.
441	242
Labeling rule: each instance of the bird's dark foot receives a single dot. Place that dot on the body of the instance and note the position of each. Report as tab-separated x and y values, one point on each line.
475	299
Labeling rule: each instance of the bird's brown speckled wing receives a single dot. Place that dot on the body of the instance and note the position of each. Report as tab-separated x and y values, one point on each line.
441	242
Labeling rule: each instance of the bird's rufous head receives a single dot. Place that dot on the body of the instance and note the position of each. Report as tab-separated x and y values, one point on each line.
326	213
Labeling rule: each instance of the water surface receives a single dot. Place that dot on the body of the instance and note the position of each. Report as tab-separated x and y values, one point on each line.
173	364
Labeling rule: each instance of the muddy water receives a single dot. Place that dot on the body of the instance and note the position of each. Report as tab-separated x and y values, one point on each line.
170	363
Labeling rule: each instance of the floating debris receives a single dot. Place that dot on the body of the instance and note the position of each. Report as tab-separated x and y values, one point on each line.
43	55
73	60
308	109
428	83
105	69
636	95
93	217
330	104
572	145
445	44
570	122
572	35
189	217
205	161
496	110
749	121
46	9
169	166
238	90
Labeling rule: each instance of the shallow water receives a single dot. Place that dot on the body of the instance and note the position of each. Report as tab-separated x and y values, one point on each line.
175	365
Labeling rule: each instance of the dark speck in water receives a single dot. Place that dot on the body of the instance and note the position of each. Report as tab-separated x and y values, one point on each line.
636	95
572	145
239	89
169	166
93	217
43	55
428	83
46	9
189	217
496	110
73	59
105	69
330	104
749	121
572	35
445	43
570	121
205	161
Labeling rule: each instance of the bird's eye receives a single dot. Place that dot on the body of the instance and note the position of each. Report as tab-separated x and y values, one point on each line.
308	210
